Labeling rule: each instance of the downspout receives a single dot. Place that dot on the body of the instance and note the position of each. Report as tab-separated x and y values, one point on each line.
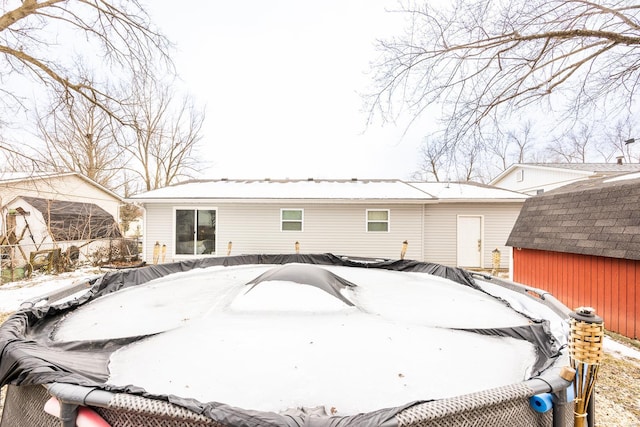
144	232
422	233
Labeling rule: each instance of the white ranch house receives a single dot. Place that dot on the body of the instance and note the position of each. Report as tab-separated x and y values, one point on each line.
448	223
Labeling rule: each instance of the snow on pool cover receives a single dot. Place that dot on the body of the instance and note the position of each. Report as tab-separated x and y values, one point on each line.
273	337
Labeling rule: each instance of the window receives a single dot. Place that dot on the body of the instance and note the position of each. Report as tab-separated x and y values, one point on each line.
195	231
291	219
378	220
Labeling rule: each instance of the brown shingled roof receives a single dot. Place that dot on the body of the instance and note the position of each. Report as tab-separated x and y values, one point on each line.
595	217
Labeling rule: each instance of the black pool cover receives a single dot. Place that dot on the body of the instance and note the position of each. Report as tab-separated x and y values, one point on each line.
28	355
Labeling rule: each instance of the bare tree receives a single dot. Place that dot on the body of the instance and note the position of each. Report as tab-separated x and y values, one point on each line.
508	146
78	136
573	147
164	134
434	155
620	140
485	58
37	37
523	139
499	148
468	160
442	161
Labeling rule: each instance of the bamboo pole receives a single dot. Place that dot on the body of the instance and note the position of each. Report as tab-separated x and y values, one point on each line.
403	251
156	252
585	351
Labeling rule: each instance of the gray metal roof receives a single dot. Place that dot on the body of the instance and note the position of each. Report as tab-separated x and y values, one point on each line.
598	217
324	189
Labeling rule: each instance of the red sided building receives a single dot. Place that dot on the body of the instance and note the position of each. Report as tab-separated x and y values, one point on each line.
581	243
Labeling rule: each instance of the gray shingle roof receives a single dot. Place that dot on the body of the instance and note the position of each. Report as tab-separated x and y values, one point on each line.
594	217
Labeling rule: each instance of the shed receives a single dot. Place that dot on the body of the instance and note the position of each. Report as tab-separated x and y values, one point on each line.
456	224
581	242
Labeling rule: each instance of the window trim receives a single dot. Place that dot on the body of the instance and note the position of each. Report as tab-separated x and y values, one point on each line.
174	229
367	222
301	221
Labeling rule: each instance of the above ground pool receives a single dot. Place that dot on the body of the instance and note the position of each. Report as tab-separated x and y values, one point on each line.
289	340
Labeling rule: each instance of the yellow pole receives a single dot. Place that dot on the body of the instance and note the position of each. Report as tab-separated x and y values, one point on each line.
403	252
164	252
297	246
229	248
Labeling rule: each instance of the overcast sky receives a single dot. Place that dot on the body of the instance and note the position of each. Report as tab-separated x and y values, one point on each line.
281	81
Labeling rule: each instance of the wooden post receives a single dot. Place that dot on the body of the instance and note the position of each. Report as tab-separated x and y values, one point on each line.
403	251
229	248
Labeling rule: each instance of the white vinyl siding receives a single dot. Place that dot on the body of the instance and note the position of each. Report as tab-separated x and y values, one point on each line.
158	227
430	230
254	228
530	179
441	223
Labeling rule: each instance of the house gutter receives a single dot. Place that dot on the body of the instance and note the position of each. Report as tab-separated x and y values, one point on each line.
249	200
484	200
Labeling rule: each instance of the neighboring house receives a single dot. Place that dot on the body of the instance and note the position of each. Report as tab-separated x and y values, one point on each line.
447	223
77	202
536	178
581	243
72	187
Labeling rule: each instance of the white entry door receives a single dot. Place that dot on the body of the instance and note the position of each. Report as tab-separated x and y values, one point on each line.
469	241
